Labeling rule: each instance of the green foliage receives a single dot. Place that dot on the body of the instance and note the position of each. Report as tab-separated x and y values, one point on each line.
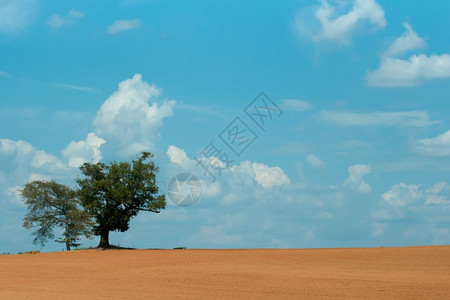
53	205
114	193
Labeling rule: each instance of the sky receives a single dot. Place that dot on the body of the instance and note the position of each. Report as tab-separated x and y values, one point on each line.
307	123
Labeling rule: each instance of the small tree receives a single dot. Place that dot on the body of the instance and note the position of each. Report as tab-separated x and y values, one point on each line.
53	205
114	193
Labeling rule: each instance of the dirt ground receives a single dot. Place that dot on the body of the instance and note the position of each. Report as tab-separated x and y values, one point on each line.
413	273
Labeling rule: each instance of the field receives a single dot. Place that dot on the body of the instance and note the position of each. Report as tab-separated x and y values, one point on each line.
412	272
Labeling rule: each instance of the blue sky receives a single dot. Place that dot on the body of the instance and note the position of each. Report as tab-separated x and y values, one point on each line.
359	157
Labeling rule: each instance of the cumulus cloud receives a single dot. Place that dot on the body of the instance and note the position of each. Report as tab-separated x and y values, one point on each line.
397	200
131	116
246	173
269	177
42	158
314	161
400	195
12	193
404	199
401	118
433	195
21	162
127	120
78	153
438	146
16	15
57	21
397	72
123	25
39	177
8	146
394	72
25	155
408	41
296	105
424	209
340	27
355	180
179	157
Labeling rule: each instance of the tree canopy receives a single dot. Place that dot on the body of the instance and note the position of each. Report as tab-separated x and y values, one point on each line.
114	193
53	205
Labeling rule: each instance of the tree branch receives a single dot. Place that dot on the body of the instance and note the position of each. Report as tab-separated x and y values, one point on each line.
150	210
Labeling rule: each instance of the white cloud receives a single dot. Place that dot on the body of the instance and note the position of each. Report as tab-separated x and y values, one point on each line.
179	156
127	120
26	156
296	105
75	14
217	235
436	199
16	15
401	195
438	146
355	180
399	199
9	147
21	162
42	158
394	72
78	153
74	87
433	196
56	21
269	177
340	27
13	195
39	177
425	211
378	229
314	161
437	188
123	25
4	74
402	118
408	41
131	116
246	173
440	236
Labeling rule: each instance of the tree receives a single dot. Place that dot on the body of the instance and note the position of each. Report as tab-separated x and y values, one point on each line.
53	205
116	192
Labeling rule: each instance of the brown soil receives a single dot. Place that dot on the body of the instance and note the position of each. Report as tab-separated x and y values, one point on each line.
413	272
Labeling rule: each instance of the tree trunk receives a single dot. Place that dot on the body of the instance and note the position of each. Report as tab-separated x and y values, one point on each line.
104	239
67	233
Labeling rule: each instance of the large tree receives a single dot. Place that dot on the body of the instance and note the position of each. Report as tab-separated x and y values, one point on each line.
116	192
53	205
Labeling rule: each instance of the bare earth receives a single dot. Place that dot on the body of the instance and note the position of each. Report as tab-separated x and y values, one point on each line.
413	272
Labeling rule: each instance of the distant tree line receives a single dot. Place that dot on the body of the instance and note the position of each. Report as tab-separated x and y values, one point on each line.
108	196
